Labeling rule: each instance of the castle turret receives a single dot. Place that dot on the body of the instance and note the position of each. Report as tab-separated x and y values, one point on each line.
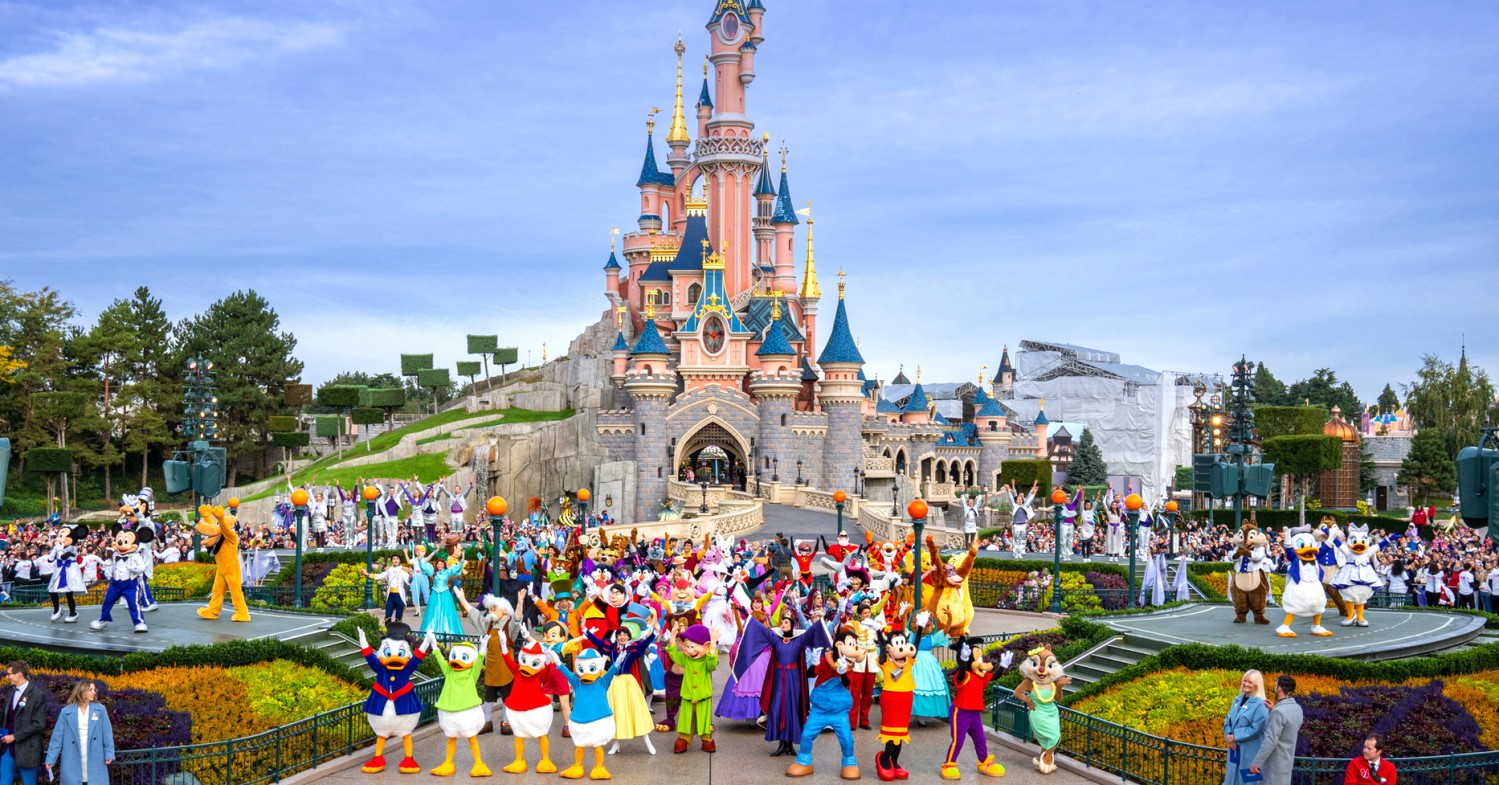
918	406
994	439
650	385
677	138
621	356
1041	424
765	197
704	105
775	386
783	221
842	399
1004	378
655	185
611	274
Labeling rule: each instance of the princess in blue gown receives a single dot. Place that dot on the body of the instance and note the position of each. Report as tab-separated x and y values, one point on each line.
931	699
442	612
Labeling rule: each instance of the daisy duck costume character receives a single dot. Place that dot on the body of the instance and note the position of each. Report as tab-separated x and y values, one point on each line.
1357	579
393	709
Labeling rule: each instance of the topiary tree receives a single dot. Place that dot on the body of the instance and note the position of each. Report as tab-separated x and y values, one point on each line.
1088	466
435	379
482	345
1021	474
52	463
389	399
469	368
367	417
504	357
342	397
1301	456
297	395
1272	421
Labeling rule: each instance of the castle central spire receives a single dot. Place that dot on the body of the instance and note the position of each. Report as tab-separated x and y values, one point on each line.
678	133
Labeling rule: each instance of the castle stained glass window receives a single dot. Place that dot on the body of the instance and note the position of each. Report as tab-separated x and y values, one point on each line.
713	336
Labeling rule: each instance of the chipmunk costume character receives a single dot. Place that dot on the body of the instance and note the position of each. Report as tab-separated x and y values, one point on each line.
1041	692
392	707
951	603
460	713
1250	586
1303	595
1357	580
220	538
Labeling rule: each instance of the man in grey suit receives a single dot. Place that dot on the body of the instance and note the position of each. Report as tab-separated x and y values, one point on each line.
1278	750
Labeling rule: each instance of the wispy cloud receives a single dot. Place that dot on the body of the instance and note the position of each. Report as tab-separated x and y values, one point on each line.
110	54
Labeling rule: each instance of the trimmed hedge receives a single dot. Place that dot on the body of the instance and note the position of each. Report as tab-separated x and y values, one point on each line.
291	441
1272	421
49	460
1021	474
282	423
297	395
433	377
1278	519
368	416
387	398
507	356
1303	454
470	367
328	426
483	344
412	364
339	396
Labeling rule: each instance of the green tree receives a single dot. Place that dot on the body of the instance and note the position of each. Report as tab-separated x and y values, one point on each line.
1088	466
1301	456
1268	390
1323	389
253	362
106	352
1455	402
1428	468
155	380
1388	400
1367	479
34	325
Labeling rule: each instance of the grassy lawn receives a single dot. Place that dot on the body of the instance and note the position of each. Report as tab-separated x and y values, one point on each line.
426	467
521	415
439	437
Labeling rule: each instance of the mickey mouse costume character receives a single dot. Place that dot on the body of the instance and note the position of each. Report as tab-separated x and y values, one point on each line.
123	570
68	579
393	709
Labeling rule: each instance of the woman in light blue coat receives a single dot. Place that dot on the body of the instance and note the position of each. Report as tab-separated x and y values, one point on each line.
83	742
1243	728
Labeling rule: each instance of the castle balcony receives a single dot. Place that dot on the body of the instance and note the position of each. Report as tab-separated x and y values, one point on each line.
938	492
879	468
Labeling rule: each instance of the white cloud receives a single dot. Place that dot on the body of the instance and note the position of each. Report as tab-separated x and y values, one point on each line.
108	54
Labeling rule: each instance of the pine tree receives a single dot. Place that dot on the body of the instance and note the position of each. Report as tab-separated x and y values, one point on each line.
1088	466
1428	469
155	380
1388	400
1268	390
253	362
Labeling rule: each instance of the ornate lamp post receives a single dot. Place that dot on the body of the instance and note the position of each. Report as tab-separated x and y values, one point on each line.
798	472
370	494
839	497
1058	498
1133	503
583	497
299	505
917	509
775	469
704	485
496	508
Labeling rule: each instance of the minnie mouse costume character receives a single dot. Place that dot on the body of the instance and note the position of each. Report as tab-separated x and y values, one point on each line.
68	579
124	569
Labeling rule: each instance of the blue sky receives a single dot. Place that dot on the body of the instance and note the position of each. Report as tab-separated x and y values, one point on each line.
1313	184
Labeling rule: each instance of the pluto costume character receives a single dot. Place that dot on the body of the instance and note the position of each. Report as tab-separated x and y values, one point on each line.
460	713
1250	587
1041	692
220	538
1303	595
393	709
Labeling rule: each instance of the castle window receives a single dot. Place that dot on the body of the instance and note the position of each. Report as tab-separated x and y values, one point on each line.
642	429
658	472
783	421
694	291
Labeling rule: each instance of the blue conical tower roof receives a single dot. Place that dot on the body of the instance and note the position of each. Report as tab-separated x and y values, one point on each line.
763	187
613	263
785	211
619	342
991	408
1041	418
840	347
918	401
775	341
650	340
650	174
704	98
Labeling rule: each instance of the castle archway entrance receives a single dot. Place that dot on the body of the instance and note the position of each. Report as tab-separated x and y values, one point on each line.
716	453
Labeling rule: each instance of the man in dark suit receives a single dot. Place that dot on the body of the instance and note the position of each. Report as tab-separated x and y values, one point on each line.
23	715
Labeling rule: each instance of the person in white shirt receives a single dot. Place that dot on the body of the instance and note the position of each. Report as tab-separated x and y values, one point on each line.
91	568
971	519
396	578
1465	597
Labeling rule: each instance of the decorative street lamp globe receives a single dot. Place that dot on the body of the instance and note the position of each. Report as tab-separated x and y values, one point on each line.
496	508
1133	503
1058	496
839	497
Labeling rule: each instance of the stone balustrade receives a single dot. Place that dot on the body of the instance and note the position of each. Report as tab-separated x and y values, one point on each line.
736	516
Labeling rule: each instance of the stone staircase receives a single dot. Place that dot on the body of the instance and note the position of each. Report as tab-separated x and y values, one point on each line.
346	651
1115	654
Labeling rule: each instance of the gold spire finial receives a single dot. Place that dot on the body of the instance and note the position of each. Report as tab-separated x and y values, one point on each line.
543	353
918	374
705	66
650	120
775	305
1042	405
840	283
650	304
678	131
619	317
784	151
983	371
612	234
810	289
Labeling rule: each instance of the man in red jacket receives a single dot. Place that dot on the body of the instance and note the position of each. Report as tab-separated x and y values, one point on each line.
1370	768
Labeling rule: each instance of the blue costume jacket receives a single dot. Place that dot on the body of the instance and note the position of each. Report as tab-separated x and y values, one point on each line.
393	685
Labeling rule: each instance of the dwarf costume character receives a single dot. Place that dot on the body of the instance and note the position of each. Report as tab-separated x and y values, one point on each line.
460	713
696	651
393	709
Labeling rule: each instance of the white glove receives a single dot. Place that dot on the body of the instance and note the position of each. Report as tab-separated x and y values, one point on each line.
429	642
904	606
842	666
643	590
923	618
873	624
1006	658
363	644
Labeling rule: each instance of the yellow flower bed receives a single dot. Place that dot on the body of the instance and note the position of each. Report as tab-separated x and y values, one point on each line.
194	579
1219	582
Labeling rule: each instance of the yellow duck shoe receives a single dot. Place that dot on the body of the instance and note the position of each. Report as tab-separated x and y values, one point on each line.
546	767
950	771
518	766
572	772
600	773
480	770
445	770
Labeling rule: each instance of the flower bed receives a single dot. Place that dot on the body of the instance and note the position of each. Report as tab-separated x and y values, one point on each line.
1218	582
1106	581
195	580
335	591
1417	716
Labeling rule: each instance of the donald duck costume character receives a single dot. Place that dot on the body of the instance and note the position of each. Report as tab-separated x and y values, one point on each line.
592	721
1303	594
